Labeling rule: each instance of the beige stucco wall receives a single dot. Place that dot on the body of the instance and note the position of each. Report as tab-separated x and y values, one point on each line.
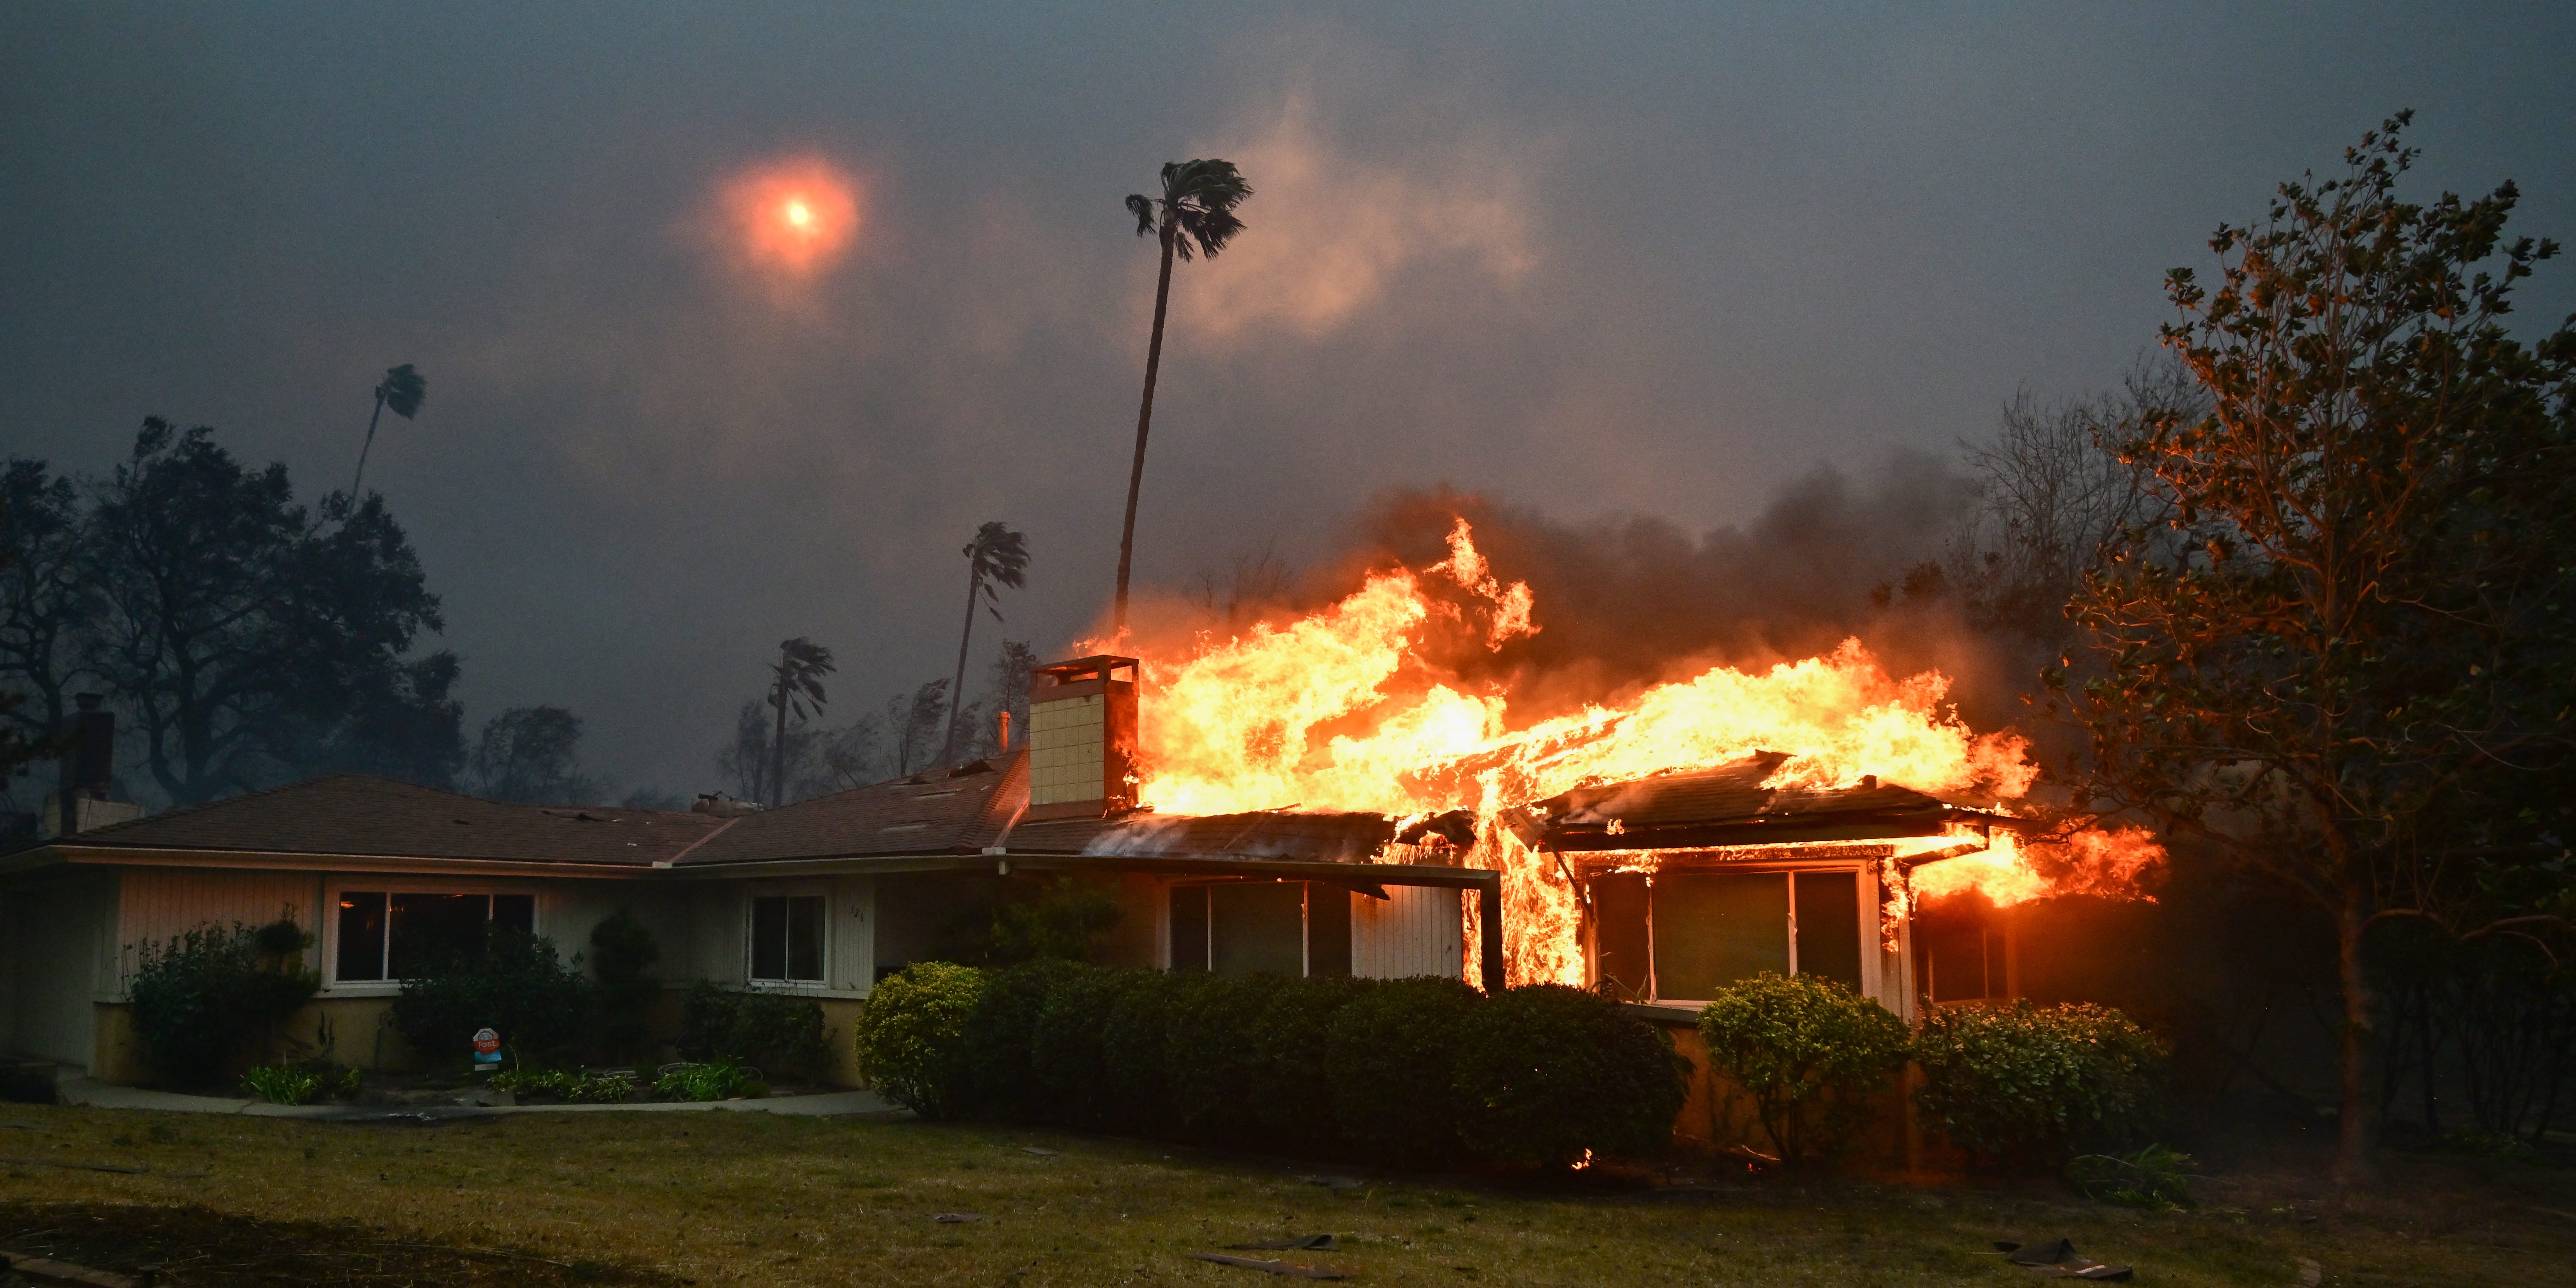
57	959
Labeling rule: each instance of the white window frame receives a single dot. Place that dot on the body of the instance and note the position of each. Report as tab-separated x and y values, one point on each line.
1864	890
1207	919
823	926
331	895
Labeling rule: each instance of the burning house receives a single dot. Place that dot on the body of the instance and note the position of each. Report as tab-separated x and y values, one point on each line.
1308	799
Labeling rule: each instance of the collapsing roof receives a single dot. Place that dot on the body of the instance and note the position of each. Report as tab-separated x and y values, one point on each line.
1732	806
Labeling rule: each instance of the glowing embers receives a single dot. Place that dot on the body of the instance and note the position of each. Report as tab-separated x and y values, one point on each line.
793	217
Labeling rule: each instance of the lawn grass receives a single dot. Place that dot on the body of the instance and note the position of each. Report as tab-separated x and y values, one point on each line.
745	1198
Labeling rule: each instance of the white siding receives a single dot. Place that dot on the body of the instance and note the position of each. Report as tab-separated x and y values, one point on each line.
851	947
160	904
1416	930
60	942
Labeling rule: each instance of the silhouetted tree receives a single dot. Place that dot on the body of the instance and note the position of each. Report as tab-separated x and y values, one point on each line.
1197	206
48	598
996	557
532	755
796	687
404	390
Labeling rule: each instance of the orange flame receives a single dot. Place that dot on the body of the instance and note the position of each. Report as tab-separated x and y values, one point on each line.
1339	710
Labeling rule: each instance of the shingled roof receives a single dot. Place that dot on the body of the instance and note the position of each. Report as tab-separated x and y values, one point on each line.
1730	806
359	814
1271	834
949	811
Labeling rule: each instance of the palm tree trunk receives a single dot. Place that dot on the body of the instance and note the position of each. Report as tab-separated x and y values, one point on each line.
1144	422
957	687
371	442
778	754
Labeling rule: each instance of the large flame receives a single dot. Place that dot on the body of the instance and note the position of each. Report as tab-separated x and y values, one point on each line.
1339	710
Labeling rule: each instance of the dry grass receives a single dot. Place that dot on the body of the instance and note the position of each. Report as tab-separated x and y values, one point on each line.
751	1198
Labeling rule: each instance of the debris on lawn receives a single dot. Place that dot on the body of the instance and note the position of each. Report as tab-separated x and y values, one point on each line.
101	1167
957	1218
47	1271
1311	1243
1333	1182
1042	1153
2059	1259
2310	1273
1288	1268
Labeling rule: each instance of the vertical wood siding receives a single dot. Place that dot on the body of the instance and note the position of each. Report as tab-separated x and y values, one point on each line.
1416	930
162	903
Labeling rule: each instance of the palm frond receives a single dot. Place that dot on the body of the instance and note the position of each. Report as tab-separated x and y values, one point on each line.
1142	207
403	390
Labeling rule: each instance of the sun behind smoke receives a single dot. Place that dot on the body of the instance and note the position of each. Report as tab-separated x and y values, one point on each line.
793	217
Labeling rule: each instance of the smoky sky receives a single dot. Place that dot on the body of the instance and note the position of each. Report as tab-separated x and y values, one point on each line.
1604	264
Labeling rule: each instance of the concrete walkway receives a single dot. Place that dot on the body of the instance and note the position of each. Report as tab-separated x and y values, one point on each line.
92	1092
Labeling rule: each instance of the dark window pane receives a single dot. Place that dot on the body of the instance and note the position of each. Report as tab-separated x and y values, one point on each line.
1189	927
1258	927
515	912
1619	955
430	932
769	938
1829	926
805	937
1328	930
1961	963
362	935
1712	929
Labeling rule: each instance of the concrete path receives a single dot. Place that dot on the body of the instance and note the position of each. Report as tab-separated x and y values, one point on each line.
90	1091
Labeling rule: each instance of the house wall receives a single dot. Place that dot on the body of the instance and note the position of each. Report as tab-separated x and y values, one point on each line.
157	905
1415	930
57	958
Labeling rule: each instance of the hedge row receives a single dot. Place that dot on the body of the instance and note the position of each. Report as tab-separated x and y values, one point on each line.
1410	1071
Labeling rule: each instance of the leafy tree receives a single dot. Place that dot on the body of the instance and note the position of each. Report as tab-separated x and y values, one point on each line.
47	597
1197	206
911	721
797	689
403	389
532	755
1007	680
2345	660
996	557
248	642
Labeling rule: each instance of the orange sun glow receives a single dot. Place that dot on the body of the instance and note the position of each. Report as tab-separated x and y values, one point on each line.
795	217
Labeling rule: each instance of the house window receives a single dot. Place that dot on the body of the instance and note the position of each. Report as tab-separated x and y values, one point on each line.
1249	927
387	935
1687	935
787	938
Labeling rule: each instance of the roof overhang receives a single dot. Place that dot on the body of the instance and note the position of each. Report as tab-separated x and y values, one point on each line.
1759	833
58	855
1367	878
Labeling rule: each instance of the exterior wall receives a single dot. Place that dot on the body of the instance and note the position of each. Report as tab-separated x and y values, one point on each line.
159	904
1415	930
57	959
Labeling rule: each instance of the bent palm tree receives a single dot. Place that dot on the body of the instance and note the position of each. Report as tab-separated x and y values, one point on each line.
997	556
1197	205
403	389
802	664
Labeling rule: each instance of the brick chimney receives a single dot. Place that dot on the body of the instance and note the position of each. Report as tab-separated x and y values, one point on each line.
89	773
1082	738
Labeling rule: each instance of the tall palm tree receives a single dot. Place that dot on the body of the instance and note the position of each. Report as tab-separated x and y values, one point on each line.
403	389
997	556
798	677
1197	205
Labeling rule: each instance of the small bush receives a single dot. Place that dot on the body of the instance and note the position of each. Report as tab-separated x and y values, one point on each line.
2031	1086
204	997
1548	1074
282	1085
910	1035
1810	1053
995	1050
772	1030
515	986
585	1087
622	953
1390	1059
712	1080
2150	1176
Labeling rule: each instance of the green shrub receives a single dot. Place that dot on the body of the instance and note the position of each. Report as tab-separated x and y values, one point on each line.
2031	1086
1136	1058
202	998
718	1079
1067	1047
585	1087
515	986
911	1035
1209	1061
776	1031
1809	1052
1291	1101
281	1084
622	953
1548	1074
1389	1057
1000	1078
